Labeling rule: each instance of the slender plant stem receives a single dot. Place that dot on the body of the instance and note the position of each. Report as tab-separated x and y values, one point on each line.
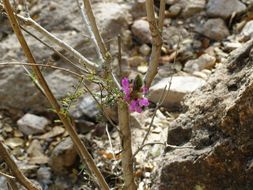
6	175
127	157
91	34
15	170
55	51
94	28
156	40
80	147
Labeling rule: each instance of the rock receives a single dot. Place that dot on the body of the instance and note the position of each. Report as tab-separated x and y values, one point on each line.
215	29
63	156
140	29
186	8
205	61
178	135
191	7
247	30
44	175
145	50
31	124
174	10
220	145
65	22
36	153
224	9
142	69
86	109
135	61
14	82
180	86
3	183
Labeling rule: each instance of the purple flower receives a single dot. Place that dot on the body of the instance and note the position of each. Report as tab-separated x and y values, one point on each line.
126	88
143	102
135	104
145	90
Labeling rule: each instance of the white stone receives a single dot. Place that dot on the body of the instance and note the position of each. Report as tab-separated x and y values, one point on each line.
31	124
248	29
180	86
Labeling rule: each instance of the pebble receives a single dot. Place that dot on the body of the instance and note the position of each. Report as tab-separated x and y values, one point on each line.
215	29
205	61
140	29
31	124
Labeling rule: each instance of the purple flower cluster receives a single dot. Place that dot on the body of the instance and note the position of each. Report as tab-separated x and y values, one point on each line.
135	103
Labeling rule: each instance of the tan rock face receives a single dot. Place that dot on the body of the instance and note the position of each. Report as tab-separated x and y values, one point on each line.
217	150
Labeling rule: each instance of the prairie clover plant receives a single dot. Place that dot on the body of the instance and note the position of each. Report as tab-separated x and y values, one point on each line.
134	94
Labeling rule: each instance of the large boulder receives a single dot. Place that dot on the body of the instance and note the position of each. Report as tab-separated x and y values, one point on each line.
216	150
62	19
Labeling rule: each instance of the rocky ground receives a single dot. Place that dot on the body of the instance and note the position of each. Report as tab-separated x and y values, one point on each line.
206	134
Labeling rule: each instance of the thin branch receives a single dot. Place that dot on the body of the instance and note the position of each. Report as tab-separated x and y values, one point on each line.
22	179
119	56
55	51
160	102
161	15
80	147
110	141
91	34
52	38
100	106
156	40
42	65
6	175
94	28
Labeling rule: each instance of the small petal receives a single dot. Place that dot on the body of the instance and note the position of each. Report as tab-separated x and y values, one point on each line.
143	102
133	105
144	90
125	83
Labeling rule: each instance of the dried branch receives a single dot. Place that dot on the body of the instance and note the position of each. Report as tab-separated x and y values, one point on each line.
91	34
80	147
15	170
6	175
127	158
155	30
52	38
94	28
55	51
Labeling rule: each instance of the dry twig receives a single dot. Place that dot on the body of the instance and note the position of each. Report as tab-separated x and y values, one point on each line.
80	147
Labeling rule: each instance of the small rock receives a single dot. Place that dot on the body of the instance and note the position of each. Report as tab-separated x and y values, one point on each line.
135	61
86	108
180	86
145	50
44	175
14	142
224	8
174	10
205	61
215	29
31	124
63	156
36	153
140	29
142	69
192	7
247	31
